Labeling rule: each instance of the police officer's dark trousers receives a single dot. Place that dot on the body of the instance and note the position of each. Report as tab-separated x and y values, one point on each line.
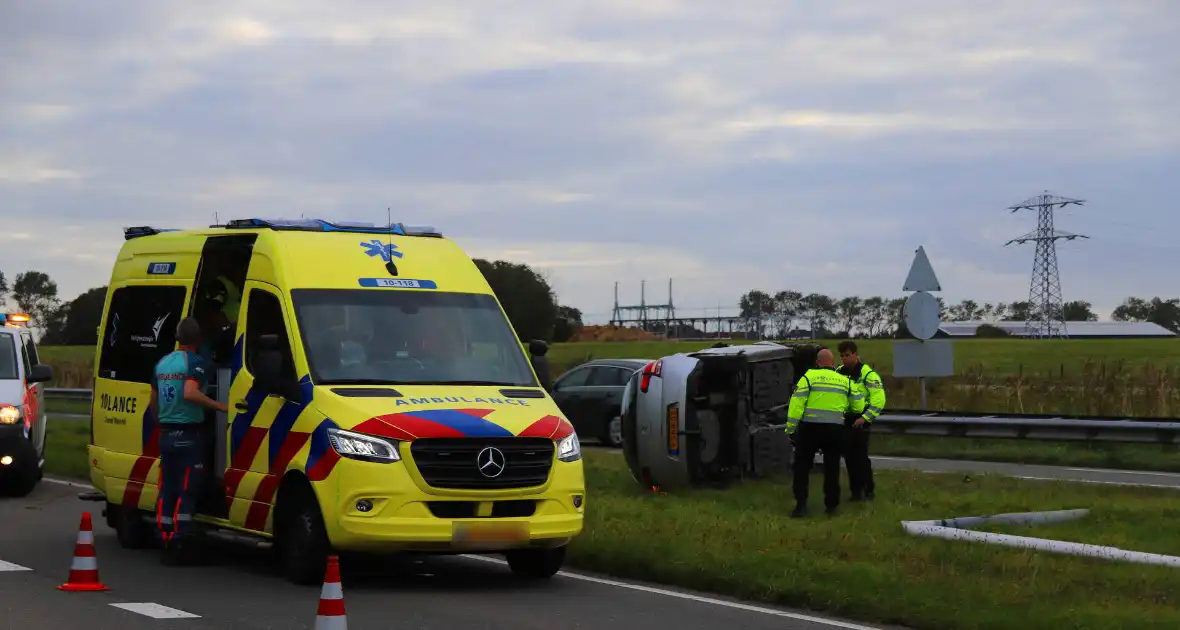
810	438
183	471
860	467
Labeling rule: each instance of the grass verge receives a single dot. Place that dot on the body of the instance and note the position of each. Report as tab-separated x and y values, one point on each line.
862	565
65	449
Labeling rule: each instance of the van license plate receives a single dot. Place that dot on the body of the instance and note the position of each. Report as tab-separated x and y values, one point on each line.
485	535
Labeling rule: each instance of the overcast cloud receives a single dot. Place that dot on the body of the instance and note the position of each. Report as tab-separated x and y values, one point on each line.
730	145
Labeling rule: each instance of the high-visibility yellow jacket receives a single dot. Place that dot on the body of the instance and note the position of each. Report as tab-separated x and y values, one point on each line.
868	383
823	396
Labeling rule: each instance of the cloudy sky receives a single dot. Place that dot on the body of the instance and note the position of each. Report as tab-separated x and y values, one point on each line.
774	144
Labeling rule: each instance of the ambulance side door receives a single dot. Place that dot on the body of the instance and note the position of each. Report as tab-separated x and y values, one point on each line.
250	479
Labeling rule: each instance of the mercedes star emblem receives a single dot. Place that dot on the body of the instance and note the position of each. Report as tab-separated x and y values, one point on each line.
491	462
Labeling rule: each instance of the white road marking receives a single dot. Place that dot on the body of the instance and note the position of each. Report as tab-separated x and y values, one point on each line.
8	566
698	598
1151	473
156	611
1109	483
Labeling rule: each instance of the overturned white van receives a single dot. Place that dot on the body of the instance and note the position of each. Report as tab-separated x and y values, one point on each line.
712	417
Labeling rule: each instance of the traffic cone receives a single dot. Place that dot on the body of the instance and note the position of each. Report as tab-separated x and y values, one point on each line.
84	568
331	613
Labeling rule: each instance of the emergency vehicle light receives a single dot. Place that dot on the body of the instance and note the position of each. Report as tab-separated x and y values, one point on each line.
144	230
13	319
320	225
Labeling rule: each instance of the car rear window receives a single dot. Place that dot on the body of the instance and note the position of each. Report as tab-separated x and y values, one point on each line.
8	369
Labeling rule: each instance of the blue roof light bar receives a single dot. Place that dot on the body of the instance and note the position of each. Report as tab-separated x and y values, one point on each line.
320	225
144	230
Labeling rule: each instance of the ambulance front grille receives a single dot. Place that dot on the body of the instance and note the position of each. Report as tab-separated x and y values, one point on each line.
453	463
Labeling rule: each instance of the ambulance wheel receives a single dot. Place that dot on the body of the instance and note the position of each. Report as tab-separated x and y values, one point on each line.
131	530
301	538
536	564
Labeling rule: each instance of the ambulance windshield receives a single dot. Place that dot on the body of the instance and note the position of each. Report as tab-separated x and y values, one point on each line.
8	357
382	336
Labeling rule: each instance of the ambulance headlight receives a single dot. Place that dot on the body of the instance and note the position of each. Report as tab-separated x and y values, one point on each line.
569	449
9	414
363	447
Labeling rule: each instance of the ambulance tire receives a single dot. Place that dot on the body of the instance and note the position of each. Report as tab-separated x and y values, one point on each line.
301	537
131	530
536	564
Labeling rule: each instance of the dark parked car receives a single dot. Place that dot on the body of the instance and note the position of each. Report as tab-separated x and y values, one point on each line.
591	394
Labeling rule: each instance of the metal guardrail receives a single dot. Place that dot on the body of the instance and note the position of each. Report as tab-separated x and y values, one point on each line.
942	424
61	393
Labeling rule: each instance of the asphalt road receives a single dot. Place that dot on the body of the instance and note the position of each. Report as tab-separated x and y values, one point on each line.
1022	471
239	589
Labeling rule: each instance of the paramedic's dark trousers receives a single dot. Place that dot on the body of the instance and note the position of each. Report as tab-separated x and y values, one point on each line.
860	467
182	479
810	438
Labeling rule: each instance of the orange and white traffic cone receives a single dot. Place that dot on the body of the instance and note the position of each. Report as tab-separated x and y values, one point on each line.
331	613
84	568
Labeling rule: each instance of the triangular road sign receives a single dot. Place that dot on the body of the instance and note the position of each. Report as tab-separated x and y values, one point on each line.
921	276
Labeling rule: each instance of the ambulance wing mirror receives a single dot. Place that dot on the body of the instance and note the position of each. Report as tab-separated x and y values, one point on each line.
268	369
40	374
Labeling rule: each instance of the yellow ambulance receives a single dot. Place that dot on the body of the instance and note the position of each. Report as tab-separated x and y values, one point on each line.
379	399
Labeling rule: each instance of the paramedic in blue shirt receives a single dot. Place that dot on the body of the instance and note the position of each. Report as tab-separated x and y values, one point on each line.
179	403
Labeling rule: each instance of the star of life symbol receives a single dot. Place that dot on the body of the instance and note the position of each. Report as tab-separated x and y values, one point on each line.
387	251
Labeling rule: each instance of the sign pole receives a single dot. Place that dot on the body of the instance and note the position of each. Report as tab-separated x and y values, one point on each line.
923	356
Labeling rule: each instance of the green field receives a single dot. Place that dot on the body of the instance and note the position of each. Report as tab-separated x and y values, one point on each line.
861	564
999	357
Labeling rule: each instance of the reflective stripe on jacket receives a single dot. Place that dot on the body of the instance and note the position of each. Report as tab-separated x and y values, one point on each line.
823	396
869	384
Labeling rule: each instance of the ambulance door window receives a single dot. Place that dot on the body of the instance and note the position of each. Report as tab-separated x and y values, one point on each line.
264	316
220	289
140	330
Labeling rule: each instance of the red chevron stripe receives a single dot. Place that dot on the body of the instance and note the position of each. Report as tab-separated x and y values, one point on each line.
233	477
249	448
295	441
324	466
135	481
552	427
396	426
260	506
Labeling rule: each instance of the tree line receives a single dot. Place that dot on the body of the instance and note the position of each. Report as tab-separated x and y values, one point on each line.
526	295
791	313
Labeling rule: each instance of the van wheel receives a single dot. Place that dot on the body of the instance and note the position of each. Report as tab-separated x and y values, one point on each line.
612	433
130	528
536	564
301	538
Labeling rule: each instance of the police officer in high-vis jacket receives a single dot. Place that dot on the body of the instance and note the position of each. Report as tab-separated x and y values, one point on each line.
815	421
868	383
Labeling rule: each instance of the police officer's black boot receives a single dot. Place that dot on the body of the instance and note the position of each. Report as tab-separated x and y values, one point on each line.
800	511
